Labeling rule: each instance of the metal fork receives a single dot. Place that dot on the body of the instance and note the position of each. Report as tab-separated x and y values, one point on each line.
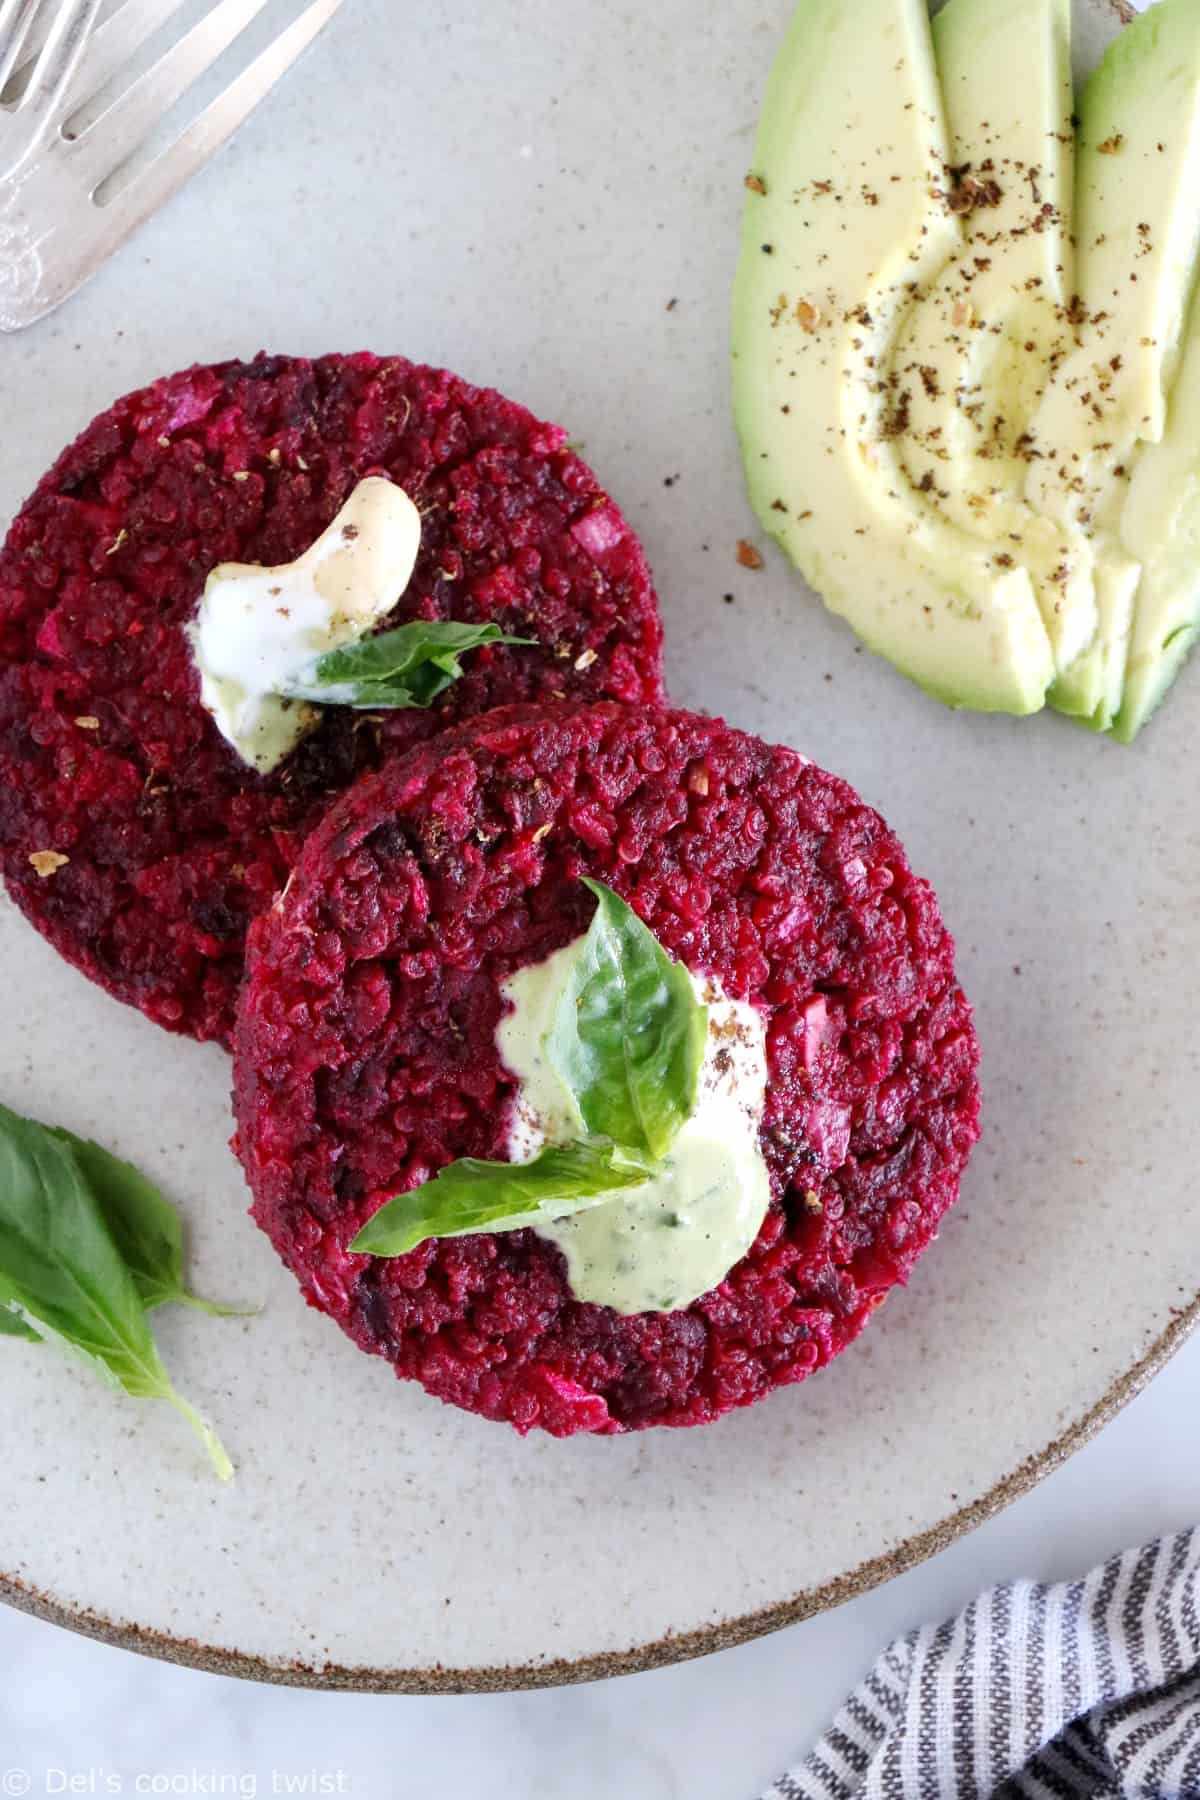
54	233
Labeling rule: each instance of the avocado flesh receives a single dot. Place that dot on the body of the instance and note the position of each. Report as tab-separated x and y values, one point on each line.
1090	690
977	351
851	224
1136	229
1160	526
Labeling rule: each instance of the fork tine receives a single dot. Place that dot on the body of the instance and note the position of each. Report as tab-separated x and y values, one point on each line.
16	16
116	134
153	186
118	39
58	61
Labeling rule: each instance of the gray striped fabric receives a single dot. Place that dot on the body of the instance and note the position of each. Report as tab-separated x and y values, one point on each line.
1089	1691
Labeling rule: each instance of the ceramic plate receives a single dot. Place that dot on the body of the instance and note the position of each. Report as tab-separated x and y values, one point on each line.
556	210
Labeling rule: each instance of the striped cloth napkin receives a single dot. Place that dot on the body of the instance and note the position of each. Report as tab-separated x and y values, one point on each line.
1088	1691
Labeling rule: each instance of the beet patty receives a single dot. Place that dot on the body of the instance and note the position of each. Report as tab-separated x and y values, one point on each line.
365	1054
107	758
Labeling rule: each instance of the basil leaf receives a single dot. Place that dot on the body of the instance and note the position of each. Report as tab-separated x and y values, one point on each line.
62	1272
629	1034
13	1325
410	666
145	1227
471	1196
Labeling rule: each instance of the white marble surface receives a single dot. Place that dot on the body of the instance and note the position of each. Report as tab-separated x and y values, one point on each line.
711	1730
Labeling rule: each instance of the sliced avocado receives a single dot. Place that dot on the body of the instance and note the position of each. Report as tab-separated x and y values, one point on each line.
1137	224
846	220
1090	690
978	349
1160	526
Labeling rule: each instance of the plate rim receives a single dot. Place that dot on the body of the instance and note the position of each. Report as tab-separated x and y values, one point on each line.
672	1647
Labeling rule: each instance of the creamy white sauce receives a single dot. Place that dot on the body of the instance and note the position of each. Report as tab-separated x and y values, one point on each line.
657	1247
259	631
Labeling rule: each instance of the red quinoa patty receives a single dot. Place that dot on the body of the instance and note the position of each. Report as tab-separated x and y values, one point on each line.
365	1053
107	757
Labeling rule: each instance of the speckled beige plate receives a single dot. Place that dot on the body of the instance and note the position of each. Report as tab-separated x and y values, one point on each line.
549	198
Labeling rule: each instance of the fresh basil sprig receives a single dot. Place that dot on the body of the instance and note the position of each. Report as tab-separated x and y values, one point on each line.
628	1035
627	1041
68	1217
472	1195
410	666
144	1226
